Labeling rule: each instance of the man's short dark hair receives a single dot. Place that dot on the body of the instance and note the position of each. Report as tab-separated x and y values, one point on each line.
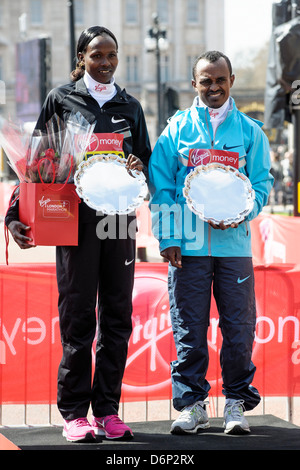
212	56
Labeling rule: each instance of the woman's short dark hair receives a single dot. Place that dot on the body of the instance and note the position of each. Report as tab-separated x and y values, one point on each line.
212	56
85	38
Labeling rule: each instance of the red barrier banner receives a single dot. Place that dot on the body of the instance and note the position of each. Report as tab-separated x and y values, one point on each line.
275	239
30	348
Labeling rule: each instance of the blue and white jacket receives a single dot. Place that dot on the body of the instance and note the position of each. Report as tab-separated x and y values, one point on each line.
173	224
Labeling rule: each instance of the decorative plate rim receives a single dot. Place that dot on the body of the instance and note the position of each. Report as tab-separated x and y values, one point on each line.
104	207
194	207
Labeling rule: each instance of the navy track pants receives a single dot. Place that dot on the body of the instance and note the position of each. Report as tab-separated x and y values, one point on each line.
190	290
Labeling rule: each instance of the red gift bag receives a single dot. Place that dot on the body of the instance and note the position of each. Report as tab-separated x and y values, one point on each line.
51	211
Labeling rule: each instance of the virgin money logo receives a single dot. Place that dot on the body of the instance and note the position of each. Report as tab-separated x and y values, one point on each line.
205	156
82	144
109	142
93	143
200	157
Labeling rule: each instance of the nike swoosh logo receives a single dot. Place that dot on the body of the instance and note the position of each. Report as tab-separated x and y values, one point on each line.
115	121
127	263
240	281
232	147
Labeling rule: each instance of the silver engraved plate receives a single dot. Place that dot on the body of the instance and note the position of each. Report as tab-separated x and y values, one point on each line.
105	185
219	193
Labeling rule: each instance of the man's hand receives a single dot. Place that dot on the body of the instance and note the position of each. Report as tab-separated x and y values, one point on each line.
17	229
222	226
173	254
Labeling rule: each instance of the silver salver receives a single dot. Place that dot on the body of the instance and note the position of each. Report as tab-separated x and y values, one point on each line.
219	193
105	185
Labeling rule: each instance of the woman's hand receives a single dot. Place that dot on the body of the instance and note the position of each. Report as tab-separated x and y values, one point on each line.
17	229
134	163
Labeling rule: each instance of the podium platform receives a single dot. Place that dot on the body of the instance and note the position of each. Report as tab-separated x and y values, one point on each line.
154	439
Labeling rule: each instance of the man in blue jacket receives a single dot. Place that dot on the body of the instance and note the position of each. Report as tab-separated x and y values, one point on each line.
202	254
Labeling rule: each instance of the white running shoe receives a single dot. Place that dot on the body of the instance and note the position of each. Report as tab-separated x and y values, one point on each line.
234	420
192	418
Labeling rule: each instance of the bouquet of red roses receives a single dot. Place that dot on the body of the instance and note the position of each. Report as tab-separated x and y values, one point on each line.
53	156
49	156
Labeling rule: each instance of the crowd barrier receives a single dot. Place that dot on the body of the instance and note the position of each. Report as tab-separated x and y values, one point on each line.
30	348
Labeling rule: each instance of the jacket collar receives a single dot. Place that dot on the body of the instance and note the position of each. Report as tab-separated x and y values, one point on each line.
80	88
203	107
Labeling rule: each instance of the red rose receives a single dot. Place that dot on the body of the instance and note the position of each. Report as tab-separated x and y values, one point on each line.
49	153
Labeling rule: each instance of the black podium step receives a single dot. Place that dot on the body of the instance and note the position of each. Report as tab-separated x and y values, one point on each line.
153	440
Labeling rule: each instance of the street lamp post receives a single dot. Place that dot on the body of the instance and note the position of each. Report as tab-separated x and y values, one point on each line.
156	41
70	5
296	122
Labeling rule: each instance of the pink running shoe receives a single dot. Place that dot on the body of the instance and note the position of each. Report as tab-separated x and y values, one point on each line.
112	427
78	430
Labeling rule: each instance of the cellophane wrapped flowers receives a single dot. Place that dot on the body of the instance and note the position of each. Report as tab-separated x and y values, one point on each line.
50	156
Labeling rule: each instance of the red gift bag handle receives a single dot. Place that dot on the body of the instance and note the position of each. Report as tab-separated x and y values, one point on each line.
49	186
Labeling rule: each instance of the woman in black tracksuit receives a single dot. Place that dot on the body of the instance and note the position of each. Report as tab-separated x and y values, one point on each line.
102	266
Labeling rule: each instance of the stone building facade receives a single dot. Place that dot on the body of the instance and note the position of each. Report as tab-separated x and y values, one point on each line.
191	26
